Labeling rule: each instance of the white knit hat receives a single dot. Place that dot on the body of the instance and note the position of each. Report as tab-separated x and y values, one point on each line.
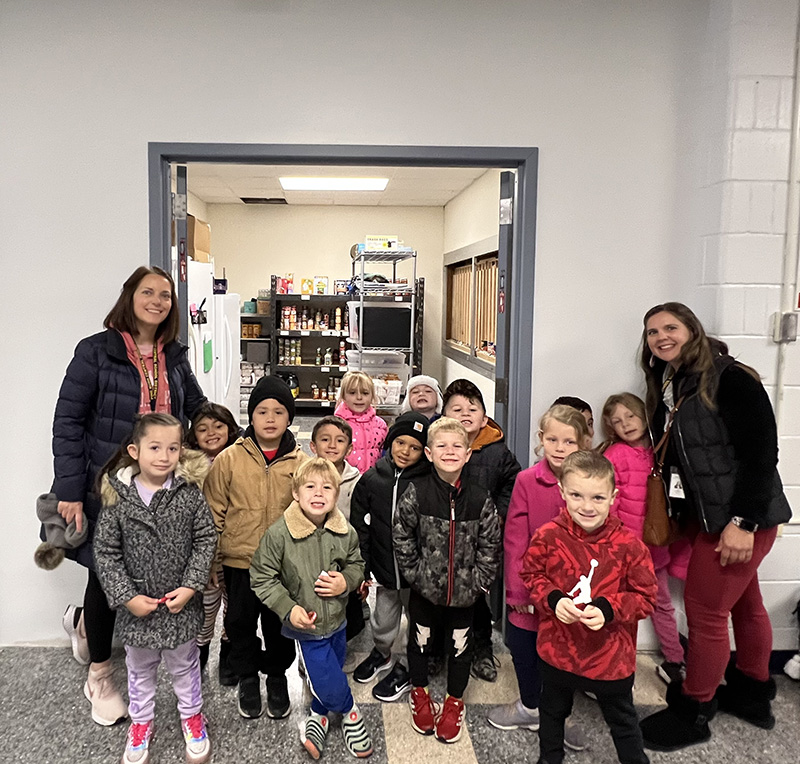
422	379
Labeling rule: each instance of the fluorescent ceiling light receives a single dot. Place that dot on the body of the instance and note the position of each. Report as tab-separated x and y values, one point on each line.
333	184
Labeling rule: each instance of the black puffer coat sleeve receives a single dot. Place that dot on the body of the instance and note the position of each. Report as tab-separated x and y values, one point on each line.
74	407
359	509
747	412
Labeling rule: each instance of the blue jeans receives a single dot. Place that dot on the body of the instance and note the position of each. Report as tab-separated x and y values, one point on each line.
324	659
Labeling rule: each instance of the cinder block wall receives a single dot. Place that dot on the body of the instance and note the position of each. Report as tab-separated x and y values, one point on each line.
748	88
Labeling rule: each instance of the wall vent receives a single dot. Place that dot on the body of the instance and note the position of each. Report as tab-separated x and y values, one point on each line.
263	199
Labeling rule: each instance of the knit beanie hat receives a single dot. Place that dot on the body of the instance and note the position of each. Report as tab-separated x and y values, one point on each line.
271	387
57	534
411	423
422	379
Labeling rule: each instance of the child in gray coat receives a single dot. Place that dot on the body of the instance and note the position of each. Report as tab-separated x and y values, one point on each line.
153	548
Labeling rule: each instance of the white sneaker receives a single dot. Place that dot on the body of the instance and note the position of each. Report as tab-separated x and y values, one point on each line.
792	667
76	634
108	707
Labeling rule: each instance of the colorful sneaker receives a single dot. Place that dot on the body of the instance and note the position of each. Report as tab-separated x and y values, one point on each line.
250	697
450	722
514	716
423	710
198	745
394	685
672	672
315	731
354	731
137	746
76	633
371	666
108	707
574	736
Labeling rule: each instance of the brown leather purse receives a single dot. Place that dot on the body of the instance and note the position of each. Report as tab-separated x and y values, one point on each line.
660	529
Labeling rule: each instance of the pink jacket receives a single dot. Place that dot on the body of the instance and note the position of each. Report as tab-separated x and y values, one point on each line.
369	432
535	501
631	468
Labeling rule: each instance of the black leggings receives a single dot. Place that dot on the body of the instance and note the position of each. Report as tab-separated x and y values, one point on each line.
425	620
98	620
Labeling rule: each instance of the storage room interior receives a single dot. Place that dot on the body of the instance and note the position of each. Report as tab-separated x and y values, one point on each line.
437	212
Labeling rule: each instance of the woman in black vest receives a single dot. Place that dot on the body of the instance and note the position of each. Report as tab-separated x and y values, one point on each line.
136	365
721	476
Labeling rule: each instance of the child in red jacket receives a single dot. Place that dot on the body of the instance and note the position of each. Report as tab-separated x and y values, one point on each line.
591	581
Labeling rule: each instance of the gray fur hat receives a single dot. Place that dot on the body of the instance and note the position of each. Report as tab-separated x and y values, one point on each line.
58	535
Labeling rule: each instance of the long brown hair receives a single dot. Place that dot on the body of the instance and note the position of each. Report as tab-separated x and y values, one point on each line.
121	317
631	402
697	357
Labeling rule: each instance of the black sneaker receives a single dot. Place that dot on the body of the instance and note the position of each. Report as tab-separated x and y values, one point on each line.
672	672
394	685
227	677
484	665
204	649
277	697
250	697
371	666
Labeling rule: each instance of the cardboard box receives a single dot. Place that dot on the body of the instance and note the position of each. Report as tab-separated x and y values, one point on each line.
198	239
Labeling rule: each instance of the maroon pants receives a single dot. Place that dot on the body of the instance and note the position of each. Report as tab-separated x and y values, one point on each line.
712	593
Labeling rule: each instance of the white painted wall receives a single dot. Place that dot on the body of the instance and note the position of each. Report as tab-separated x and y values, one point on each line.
254	242
600	88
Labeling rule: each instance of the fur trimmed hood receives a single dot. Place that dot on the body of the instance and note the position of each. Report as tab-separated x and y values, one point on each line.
192	468
301	527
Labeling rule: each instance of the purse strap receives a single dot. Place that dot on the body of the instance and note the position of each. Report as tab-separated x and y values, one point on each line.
660	450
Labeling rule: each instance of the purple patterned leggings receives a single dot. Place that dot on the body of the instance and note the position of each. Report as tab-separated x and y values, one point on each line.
182	664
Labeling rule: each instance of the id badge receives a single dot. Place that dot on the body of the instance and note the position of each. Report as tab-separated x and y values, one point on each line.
675	485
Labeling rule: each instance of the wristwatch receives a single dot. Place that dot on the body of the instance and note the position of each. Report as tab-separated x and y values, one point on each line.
745	525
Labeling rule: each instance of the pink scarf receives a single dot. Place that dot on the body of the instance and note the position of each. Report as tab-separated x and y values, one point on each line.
135	356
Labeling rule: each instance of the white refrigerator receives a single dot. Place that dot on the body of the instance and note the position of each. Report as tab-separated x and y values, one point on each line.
214	345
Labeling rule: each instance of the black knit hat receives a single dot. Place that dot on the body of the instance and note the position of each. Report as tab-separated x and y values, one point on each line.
412	424
271	387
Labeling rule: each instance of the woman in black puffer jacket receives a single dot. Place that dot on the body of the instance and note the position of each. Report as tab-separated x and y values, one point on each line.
136	365
721	475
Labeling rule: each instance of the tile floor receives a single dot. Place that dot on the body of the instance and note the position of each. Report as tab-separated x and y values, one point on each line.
44	718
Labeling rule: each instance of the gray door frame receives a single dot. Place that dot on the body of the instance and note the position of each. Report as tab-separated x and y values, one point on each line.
520	159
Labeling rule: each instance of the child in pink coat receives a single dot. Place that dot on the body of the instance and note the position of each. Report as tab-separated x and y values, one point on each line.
356	397
535	501
625	427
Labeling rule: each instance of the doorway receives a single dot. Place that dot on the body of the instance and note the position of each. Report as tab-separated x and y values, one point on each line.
514	350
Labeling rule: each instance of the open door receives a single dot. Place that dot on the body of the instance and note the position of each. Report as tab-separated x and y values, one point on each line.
504	256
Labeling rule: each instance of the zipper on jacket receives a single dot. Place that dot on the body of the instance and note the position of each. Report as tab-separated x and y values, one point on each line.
391	524
695	494
451	552
321	568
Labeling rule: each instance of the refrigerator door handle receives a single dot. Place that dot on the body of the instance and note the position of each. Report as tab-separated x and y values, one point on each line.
227	353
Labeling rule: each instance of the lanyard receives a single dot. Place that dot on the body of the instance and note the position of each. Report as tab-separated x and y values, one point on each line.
152	385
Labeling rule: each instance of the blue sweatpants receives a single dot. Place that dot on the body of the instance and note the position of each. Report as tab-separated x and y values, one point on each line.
324	659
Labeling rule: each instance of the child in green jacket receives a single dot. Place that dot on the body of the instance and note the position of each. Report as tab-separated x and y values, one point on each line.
304	568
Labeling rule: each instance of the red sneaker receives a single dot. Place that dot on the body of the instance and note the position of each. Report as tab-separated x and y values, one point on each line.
451	720
423	711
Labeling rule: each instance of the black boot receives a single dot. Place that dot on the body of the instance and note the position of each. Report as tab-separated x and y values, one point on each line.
203	657
682	723
227	678
747	698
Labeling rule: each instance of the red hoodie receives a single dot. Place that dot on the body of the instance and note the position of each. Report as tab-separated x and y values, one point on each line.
621	583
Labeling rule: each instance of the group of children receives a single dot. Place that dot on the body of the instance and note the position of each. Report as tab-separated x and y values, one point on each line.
424	512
